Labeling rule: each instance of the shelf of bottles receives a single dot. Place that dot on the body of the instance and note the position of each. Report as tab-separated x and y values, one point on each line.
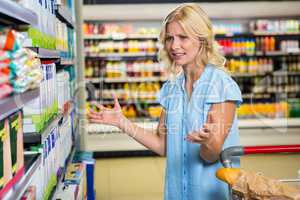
263	56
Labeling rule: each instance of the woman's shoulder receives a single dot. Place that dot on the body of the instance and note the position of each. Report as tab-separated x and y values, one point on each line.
218	72
173	81
222	87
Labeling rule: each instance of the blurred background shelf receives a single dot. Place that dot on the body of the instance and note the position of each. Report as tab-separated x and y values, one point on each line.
121	37
134	79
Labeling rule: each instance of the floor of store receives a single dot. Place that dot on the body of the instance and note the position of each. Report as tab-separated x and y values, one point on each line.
134	178
142	178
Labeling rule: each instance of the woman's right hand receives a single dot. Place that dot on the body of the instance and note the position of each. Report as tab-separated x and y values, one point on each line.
108	116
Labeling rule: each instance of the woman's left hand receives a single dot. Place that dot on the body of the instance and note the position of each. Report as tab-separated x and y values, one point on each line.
214	132
203	135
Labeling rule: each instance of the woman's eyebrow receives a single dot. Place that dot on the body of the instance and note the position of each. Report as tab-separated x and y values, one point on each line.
180	34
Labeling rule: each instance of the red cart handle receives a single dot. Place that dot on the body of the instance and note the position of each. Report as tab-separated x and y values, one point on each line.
228	153
272	149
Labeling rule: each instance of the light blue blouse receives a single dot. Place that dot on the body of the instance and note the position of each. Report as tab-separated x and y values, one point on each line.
188	177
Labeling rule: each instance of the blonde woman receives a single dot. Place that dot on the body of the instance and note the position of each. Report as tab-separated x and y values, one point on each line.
199	108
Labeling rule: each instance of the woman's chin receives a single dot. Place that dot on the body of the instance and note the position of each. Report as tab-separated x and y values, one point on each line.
179	62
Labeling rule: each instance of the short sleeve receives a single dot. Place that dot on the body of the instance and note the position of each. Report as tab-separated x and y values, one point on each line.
223	88
162	95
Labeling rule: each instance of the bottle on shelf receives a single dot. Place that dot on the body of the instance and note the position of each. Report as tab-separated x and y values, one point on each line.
274	26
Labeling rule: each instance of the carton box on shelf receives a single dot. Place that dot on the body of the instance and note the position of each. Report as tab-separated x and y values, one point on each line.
5	139
65	140
66	192
2	132
38	177
74	182
63	87
42	109
5	166
11	152
16	141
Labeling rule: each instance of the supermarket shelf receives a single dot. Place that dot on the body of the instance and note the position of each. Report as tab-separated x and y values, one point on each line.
101	128
268	95
247	74
266	54
11	104
269	123
121	36
65	15
243	124
50	127
46	53
134	79
62	171
66	61
130	101
275	73
285	73
256	96
102	139
37	138
256	34
67	162
13	13
122	56
156	36
94	80
260	33
126	79
20	187
156	79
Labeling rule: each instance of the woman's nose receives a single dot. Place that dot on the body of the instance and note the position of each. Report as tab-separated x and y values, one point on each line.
175	44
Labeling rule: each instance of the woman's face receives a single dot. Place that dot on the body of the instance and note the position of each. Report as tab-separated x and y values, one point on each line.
181	47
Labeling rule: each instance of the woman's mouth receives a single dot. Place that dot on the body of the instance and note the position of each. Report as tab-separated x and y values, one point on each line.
177	56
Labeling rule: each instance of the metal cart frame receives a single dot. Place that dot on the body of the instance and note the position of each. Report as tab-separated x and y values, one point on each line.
228	153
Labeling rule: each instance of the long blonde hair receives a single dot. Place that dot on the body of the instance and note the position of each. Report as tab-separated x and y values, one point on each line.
195	22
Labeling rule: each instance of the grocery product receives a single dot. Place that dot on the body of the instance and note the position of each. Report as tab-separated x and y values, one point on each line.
6	161
252	185
16	141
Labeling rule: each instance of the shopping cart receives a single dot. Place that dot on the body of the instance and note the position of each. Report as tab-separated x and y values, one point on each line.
229	153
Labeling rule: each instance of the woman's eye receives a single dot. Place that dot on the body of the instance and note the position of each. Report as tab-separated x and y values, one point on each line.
168	38
183	37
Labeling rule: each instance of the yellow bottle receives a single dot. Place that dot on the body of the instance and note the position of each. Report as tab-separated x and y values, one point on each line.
142	91
149	90
255	66
124	111
131	112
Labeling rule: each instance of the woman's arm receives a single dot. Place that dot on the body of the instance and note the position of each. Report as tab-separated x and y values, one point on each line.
214	132
152	139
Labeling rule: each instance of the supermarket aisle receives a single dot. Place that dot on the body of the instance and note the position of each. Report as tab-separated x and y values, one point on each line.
143	178
129	178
